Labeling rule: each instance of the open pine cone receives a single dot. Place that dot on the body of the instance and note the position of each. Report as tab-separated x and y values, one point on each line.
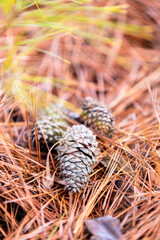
76	155
98	117
49	128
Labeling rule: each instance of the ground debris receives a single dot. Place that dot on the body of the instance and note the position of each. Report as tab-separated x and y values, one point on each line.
104	228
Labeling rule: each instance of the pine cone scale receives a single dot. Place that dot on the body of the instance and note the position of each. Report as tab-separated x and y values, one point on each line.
98	117
76	155
49	129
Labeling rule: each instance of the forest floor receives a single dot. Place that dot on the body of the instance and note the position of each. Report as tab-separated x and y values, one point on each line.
113	57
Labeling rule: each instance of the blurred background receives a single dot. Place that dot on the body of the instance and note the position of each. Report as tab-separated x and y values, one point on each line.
65	50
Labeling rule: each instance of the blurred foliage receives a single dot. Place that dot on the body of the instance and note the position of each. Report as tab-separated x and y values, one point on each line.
27	24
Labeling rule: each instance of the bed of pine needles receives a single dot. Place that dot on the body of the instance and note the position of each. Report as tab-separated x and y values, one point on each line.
113	57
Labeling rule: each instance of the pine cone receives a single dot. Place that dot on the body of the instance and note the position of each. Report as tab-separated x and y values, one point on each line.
50	128
98	117
76	156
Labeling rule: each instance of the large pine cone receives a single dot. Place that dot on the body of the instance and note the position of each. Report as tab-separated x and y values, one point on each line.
76	155
49	128
98	117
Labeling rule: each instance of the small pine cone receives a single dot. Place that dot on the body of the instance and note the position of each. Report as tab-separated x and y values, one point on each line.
50	128
98	117
76	156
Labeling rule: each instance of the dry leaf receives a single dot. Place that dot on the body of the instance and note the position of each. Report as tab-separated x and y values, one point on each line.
104	228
